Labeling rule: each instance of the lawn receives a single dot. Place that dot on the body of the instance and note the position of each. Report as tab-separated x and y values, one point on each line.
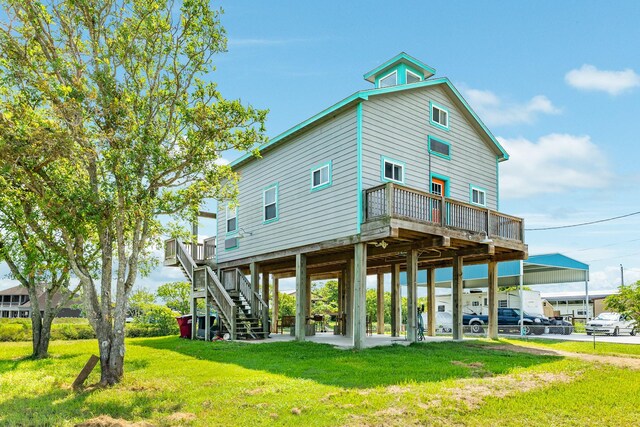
170	381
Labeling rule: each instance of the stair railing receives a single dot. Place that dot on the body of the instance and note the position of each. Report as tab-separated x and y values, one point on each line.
228	309
185	259
259	307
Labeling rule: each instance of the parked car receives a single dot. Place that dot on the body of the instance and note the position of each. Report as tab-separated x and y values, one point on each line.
507	319
611	324
557	325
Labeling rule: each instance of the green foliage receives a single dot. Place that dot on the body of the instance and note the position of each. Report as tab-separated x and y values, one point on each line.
626	301
158	318
325	297
176	296
287	305
138	300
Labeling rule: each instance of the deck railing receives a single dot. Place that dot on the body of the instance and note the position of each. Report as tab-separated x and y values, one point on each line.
396	201
204	251
209	248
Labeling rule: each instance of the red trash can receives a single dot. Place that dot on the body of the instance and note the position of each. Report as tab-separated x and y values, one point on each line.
184	322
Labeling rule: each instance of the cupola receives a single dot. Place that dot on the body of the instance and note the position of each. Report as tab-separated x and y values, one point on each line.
399	70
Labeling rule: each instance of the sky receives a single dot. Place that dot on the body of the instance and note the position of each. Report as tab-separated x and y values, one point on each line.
558	83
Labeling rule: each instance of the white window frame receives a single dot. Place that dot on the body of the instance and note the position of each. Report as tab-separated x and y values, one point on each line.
440	108
319	168
229	216
387	76
273	187
503	303
406	75
384	161
479	190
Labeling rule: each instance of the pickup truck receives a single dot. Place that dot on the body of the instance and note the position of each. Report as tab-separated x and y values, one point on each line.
508	318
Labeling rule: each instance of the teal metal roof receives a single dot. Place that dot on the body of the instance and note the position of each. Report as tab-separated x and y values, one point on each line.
537	270
363	95
402	57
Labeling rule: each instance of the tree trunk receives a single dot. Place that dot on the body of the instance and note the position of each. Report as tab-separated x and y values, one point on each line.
111	354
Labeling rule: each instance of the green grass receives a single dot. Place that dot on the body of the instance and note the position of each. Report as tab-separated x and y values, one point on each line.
602	348
309	384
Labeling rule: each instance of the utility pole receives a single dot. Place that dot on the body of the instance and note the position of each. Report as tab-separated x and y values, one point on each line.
621	275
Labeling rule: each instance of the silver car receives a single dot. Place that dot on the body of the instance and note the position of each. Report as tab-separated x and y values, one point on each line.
611	324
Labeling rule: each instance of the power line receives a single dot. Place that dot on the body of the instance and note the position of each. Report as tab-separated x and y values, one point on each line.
582	223
603	246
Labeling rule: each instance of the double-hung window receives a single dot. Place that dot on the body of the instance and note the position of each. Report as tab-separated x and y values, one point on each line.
232	219
392	170
439	116
477	196
321	176
270	203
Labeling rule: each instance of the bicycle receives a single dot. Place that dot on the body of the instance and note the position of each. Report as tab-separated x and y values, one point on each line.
420	323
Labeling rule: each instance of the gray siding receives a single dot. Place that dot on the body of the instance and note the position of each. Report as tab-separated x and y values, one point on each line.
304	217
396	125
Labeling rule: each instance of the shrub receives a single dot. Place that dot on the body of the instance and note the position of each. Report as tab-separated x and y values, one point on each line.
157	320
15	330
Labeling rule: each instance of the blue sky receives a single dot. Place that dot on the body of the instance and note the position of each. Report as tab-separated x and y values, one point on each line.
557	82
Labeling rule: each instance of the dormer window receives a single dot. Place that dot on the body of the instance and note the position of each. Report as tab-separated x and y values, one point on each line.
389	80
412	77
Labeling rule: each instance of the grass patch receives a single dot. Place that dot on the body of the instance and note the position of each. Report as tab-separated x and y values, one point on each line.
601	348
170	381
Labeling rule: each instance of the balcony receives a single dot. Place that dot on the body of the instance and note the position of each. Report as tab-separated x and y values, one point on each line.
393	201
203	251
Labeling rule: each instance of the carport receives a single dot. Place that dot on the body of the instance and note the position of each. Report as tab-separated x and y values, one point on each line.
536	270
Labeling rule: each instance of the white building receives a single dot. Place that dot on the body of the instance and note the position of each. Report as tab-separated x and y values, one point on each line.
476	301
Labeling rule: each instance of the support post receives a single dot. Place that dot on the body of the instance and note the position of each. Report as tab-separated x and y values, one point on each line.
431	302
412	294
396	301
380	298
457	298
301	298
265	298
359	318
275	305
254	270
493	300
341	278
194	242
207	317
308	294
194	317
349	284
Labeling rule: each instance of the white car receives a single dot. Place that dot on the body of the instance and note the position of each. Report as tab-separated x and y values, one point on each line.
611	324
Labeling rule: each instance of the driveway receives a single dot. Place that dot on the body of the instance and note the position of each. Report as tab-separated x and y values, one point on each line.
621	339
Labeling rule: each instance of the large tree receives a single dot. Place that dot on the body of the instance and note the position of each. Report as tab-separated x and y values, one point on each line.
107	121
176	295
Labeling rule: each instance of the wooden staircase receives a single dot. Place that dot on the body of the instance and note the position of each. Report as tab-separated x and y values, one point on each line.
241	312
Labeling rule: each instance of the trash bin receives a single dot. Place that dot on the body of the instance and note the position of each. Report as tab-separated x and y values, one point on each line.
184	322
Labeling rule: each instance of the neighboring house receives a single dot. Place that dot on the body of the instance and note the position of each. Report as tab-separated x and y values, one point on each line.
477	302
574	304
395	178
15	302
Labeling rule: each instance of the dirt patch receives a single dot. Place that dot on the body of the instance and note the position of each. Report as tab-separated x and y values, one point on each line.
181	417
619	361
472	392
396	389
477	368
107	421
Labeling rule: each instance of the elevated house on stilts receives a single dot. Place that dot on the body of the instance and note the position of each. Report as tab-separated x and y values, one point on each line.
400	177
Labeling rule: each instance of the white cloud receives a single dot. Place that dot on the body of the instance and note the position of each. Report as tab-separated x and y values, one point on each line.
496	112
589	77
555	163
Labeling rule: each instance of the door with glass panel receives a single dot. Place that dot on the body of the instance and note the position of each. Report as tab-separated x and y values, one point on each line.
437	188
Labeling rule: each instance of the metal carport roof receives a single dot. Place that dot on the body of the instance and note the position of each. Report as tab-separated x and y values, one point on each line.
537	270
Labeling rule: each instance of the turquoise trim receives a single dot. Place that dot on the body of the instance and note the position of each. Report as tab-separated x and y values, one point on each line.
384	76
436	124
447	182
363	96
226	222
359	215
264	191
232	247
497	183
435	153
384	159
317	168
477	188
403	58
